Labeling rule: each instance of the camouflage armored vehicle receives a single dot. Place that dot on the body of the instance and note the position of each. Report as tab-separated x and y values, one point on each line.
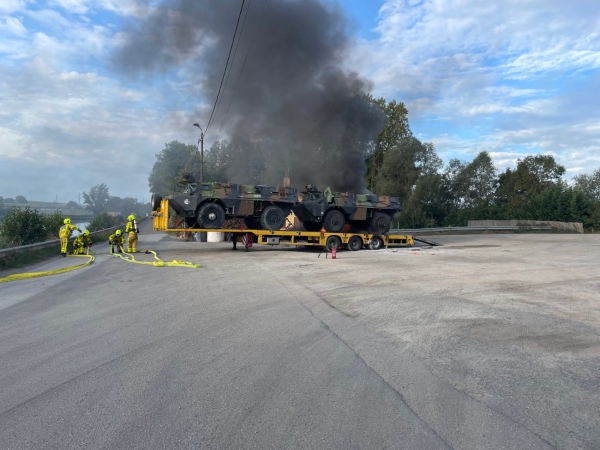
335	210
207	205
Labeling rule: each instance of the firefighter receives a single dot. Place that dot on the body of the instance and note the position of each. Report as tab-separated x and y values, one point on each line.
81	243
118	240
64	234
132	236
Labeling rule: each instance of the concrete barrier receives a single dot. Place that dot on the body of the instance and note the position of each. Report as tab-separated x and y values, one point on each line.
564	226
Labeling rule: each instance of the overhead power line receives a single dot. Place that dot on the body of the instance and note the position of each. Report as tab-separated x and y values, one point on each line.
243	66
232	65
226	64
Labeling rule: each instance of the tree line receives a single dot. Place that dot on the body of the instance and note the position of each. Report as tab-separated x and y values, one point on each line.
399	164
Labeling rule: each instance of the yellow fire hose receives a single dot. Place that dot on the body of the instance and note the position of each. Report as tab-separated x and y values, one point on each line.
128	257
28	275
157	261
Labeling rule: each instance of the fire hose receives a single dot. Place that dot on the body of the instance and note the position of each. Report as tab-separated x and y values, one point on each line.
157	261
28	275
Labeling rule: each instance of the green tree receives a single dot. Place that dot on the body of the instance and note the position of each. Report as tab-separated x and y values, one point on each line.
97	198
22	226
395	130
114	204
589	185
105	220
172	161
20	199
71	204
52	223
533	175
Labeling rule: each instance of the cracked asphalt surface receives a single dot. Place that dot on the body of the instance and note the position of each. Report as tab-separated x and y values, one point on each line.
491	342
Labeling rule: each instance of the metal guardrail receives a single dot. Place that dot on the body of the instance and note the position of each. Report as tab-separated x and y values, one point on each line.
52	243
449	229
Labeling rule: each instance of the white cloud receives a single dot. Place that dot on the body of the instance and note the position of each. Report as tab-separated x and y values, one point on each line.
11	6
13	25
512	76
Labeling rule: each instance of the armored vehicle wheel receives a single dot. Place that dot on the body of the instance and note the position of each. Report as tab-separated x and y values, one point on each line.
380	223
376	243
191	222
333	242
334	221
312	226
251	223
211	215
155	201
355	243
272	218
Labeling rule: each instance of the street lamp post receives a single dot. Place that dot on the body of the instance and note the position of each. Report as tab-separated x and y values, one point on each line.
201	142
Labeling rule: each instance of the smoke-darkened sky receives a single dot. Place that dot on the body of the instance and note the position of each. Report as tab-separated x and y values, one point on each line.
288	81
474	76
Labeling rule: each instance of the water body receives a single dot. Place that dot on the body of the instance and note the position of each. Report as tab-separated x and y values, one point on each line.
82	225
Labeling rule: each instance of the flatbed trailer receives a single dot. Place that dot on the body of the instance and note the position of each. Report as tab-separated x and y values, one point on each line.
352	241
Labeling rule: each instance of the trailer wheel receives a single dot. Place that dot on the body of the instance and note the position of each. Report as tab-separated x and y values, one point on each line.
272	218
211	215
381	223
333	242
376	243
155	202
355	243
334	221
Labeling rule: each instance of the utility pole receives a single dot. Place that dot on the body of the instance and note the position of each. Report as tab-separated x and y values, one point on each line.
201	143
79	198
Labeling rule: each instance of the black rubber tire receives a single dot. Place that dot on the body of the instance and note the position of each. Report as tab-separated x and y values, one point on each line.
155	202
355	243
334	221
333	241
272	218
211	215
380	223
312	226
191	222
252	223
376	243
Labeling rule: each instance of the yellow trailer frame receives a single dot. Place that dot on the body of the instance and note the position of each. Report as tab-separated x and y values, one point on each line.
291	237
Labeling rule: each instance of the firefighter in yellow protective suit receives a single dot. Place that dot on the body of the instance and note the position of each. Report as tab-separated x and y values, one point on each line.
81	243
118	240
64	234
132	237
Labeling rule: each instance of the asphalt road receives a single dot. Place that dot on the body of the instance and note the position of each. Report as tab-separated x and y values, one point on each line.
238	354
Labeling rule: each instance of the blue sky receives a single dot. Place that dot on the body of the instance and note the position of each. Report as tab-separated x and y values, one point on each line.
512	77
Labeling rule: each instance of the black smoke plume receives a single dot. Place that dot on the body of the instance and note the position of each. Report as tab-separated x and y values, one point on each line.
294	92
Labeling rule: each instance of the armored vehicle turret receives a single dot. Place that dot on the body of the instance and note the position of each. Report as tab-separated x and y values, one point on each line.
207	205
341	211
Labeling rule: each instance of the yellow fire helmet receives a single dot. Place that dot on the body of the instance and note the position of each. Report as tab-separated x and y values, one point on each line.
86	232
131	217
119	232
67	220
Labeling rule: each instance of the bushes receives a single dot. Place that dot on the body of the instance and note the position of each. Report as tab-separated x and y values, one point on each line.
52	224
23	227
104	220
28	226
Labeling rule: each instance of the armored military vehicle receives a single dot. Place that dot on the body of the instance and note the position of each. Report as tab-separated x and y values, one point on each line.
338	211
207	205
